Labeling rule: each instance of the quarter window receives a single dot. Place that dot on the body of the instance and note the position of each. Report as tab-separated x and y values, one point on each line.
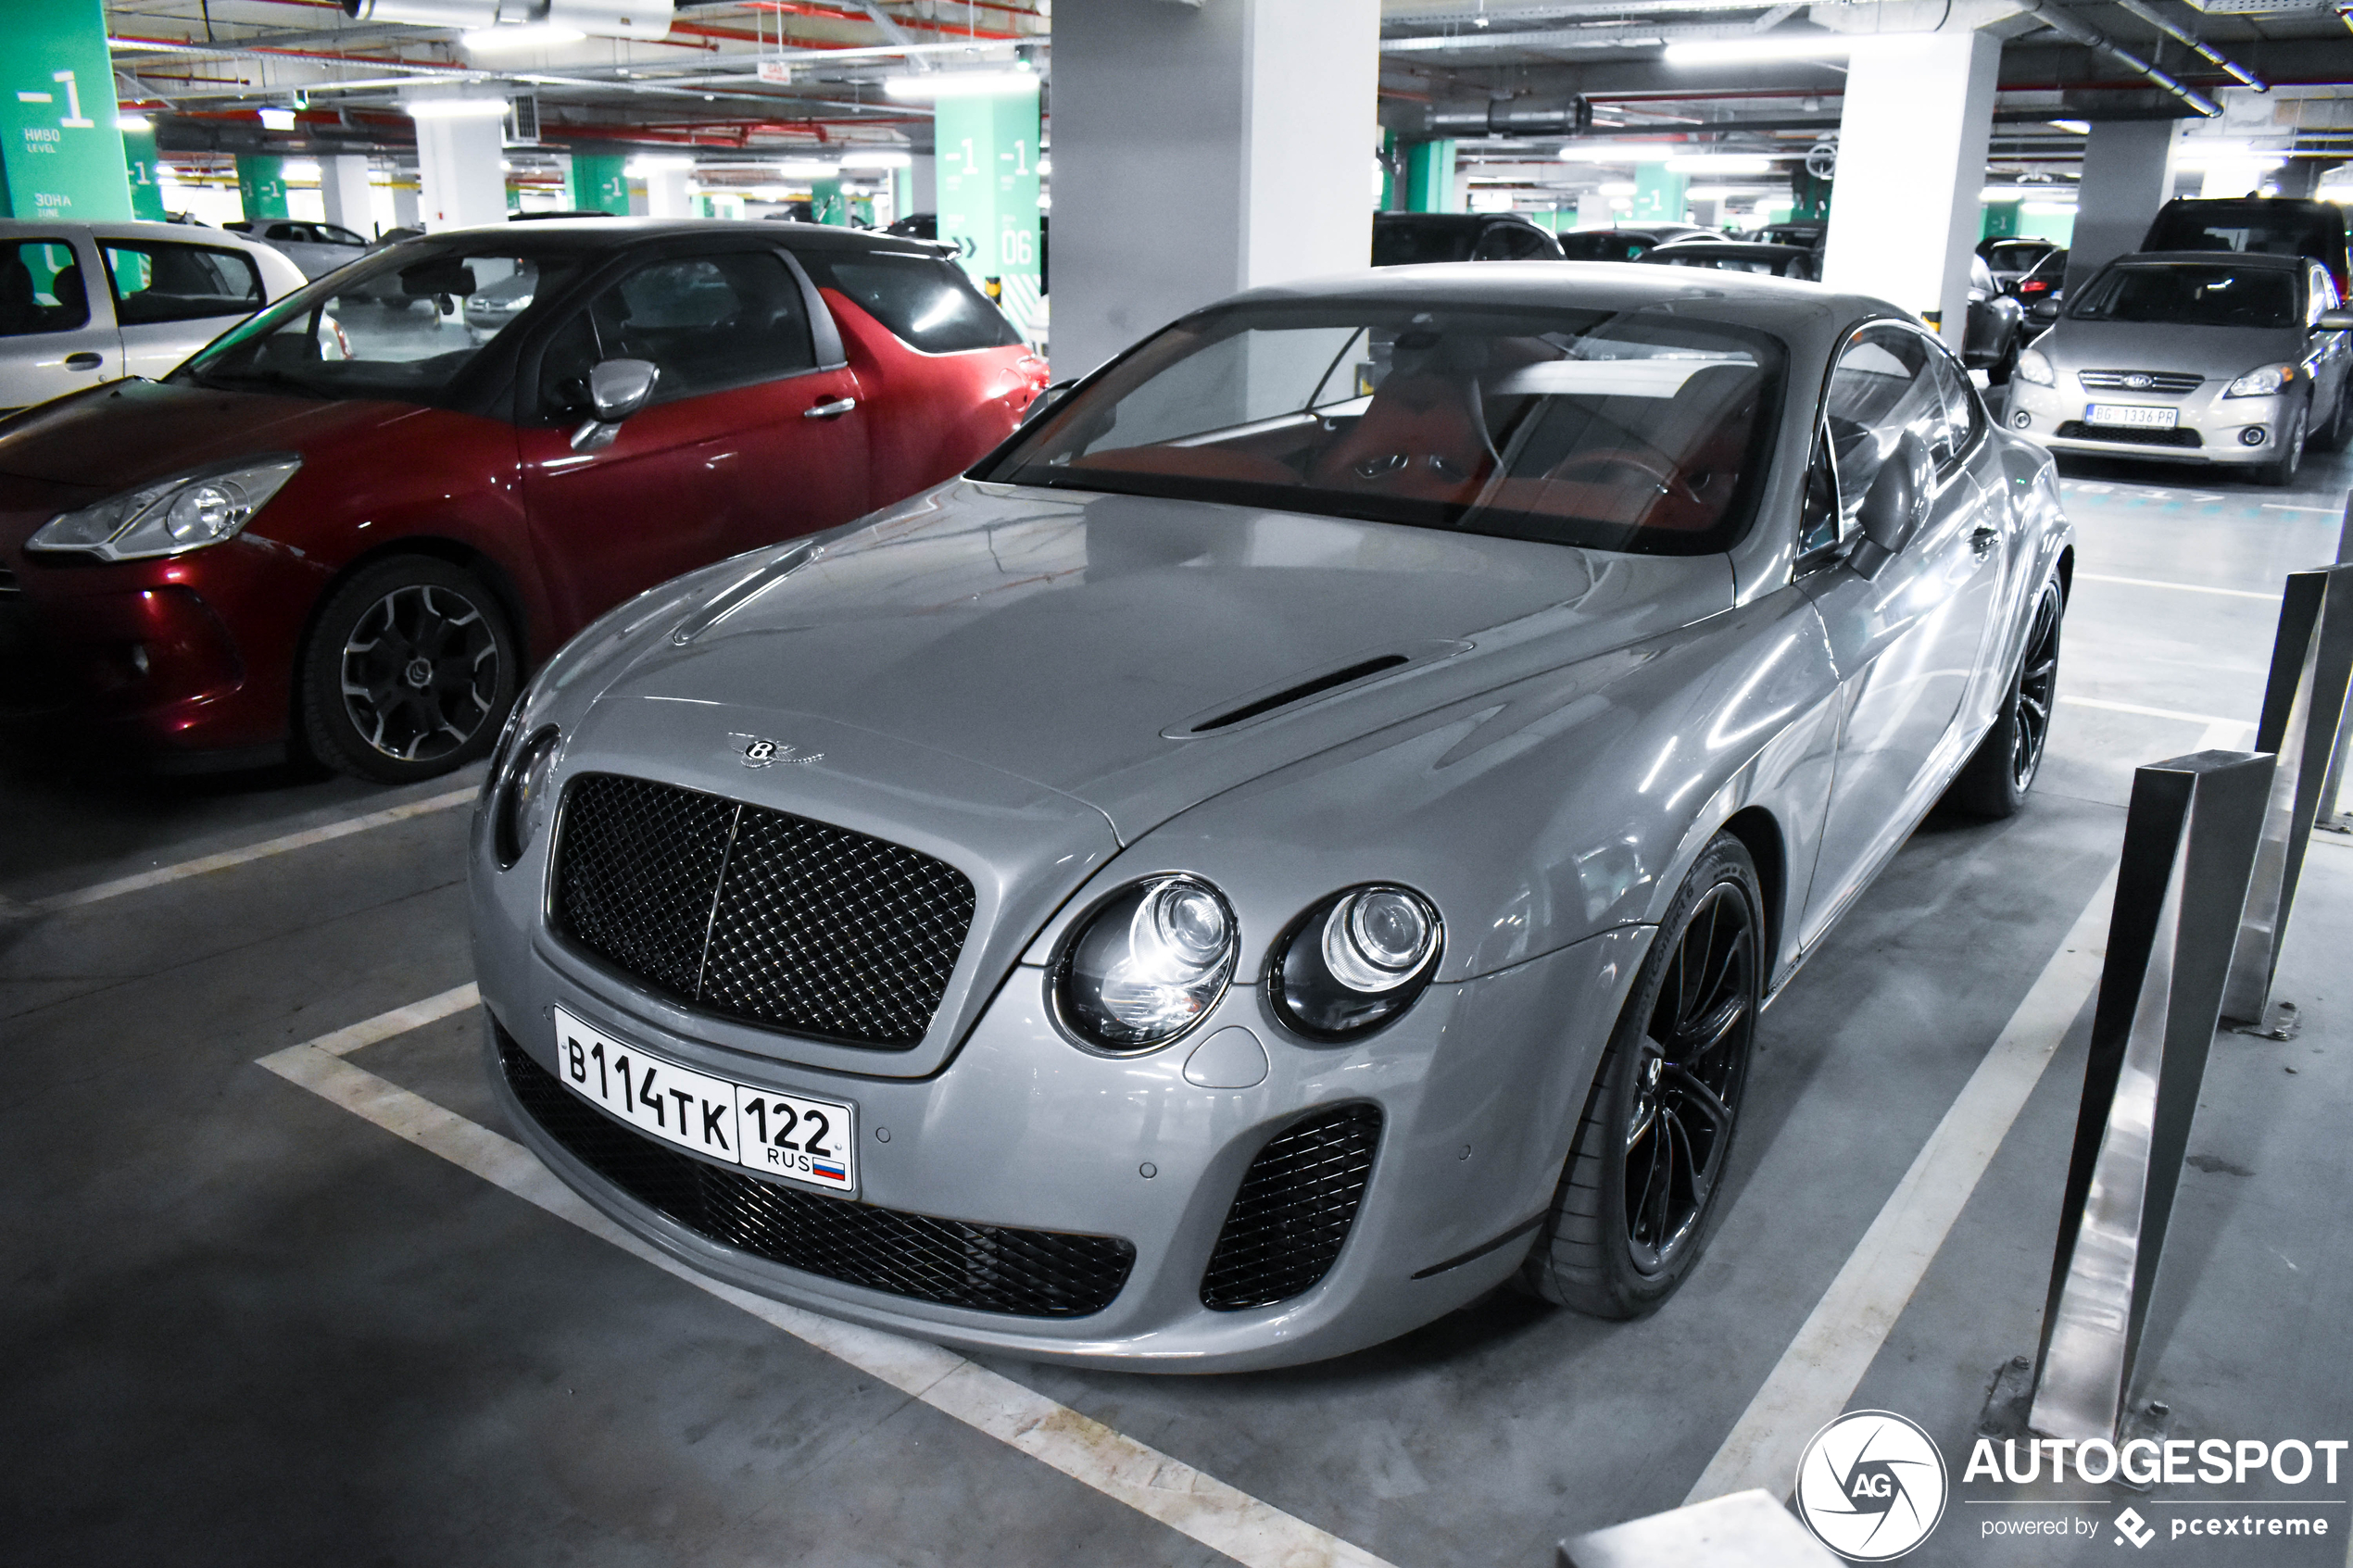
926	302
161	281
41	289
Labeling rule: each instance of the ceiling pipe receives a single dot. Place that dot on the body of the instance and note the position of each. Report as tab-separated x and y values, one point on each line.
1598	35
2190	40
2090	37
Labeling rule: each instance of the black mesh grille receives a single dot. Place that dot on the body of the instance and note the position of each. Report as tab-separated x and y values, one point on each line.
2168	383
758	914
1297	1200
987	1268
2076	430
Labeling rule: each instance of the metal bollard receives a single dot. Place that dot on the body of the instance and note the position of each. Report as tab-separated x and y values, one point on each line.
2303	704
2190	839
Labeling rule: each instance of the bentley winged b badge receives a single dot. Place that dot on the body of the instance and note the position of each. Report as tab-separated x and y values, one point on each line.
758	751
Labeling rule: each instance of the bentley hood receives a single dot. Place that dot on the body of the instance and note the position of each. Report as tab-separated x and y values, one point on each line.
1137	655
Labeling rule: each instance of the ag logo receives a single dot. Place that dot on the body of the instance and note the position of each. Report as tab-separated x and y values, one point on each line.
1872	1486
758	751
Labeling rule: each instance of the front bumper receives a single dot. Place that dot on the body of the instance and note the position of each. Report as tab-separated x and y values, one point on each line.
1479	1086
2209	428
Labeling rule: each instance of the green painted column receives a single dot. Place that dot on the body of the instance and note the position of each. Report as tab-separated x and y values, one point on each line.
827	204
261	186
1430	176
1389	156
141	163
1809	197
598	184
1658	194
988	193
2001	221
902	193
60	155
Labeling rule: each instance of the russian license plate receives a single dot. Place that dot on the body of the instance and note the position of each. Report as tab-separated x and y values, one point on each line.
814	1142
2131	416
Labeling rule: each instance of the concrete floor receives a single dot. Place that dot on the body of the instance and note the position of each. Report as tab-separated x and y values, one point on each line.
246	1327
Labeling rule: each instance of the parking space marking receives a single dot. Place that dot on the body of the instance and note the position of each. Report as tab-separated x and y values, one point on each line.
2183	587
1816	1376
2214	723
281	845
1194	1504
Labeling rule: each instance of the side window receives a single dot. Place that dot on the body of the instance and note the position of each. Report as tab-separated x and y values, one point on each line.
926	302
1886	387
335	235
2319	295
710	322
158	281
287	231
41	288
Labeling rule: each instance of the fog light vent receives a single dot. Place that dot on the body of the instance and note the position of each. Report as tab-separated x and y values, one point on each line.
2021	420
2251	436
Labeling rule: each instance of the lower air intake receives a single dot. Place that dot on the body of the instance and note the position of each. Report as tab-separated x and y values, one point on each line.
985	1268
1297	1200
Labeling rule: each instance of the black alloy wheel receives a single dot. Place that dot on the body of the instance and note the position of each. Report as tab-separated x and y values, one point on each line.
1645	1173
408	673
1994	782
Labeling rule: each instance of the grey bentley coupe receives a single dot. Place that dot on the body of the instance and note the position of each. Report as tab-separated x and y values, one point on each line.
1297	837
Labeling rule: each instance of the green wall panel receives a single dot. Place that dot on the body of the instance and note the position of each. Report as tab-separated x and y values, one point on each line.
261	186
598	184
140	162
987	172
59	150
1430	176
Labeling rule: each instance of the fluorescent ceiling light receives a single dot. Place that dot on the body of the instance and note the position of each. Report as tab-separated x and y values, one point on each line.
2074	127
1759	46
1720	163
2049	209
963	84
2194	153
878	158
803	169
456	108
521	35
133	122
655	163
1708	194
299	168
277	119
1624	152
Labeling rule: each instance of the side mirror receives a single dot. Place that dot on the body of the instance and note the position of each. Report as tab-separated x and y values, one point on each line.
2043	309
1894	506
617	388
2336	321
1045	401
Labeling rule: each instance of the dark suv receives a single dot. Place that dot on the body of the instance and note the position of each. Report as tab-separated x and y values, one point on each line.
1409	239
2258	226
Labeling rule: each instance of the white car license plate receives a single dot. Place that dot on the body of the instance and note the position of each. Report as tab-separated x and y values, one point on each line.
814	1142
2133	415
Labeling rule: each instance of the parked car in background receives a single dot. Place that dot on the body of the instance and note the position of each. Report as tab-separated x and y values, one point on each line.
1808	231
2009	259
915	226
1410	239
1628	245
83	303
316	248
355	525
1739	256
2045	281
2256	225
2190	357
1299	837
1995	330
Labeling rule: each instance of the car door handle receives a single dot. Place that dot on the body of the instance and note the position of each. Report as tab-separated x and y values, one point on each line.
85	361
1982	537
829	411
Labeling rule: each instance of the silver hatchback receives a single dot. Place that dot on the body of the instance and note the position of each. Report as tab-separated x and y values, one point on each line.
2193	357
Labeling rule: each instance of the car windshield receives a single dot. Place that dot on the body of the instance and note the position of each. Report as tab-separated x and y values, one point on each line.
2191	295
1620	431
1408	242
403	326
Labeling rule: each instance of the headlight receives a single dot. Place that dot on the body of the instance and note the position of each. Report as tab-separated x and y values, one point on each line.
171	518
1148	964
520	809
2264	381
2034	367
1358	959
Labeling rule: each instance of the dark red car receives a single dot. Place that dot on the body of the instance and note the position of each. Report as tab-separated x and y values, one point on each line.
357	520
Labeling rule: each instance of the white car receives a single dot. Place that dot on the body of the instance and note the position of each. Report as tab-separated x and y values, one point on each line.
316	248
85	303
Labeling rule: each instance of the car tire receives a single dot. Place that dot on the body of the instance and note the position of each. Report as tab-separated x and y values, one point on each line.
1639	1196
408	671
2280	472
1994	782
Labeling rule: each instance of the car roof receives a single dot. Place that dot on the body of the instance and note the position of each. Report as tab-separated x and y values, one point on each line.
615	233
130	229
2257	259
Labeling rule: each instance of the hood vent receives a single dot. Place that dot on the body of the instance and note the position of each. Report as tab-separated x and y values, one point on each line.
1301	692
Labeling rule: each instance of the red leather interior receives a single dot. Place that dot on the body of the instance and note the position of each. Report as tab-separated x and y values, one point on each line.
1423	437
1190	462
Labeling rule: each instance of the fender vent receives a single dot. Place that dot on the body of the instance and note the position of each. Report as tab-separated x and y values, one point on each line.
1302	692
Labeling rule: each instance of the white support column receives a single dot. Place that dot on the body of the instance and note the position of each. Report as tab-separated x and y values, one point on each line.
460	183
1199	151
1911	160
666	191
342	193
923	184
406	203
2128	174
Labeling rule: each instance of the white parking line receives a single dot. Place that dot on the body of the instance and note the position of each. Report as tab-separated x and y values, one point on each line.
1816	1376
1185	1500
2183	587
263	850
2215	724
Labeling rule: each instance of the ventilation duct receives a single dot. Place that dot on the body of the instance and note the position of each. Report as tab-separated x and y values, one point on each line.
426	13
1509	117
599	19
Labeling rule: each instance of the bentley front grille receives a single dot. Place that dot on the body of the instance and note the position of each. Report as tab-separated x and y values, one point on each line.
757	914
